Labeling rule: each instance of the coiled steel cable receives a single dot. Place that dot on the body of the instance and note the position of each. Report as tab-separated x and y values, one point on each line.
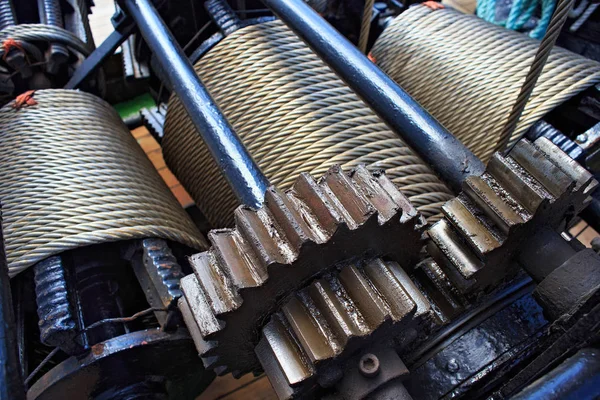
51	14
294	115
467	73
539	61
365	25
72	175
44	33
7	14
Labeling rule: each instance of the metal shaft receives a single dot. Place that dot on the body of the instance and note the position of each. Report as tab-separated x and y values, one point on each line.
242	173
51	14
15	57
449	158
223	15
7	14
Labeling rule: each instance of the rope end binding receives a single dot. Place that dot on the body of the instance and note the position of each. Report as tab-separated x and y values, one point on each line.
24	99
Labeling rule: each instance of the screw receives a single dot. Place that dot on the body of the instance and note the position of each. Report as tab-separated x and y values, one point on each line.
452	365
369	365
581	138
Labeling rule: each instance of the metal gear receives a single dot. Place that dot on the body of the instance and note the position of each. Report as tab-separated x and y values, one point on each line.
325	323
251	270
535	185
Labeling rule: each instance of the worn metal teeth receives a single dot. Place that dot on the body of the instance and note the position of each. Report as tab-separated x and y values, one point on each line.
276	250
535	185
324	323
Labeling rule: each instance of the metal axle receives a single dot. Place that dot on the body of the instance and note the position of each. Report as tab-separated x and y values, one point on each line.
242	173
451	160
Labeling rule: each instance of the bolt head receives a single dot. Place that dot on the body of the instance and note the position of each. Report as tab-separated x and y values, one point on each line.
369	365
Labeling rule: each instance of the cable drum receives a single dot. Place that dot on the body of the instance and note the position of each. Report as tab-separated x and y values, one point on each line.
72	175
294	115
468	73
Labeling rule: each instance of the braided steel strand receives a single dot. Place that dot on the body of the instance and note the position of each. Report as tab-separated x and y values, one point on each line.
365	25
51	14
556	23
467	73
72	175
7	14
44	33
294	115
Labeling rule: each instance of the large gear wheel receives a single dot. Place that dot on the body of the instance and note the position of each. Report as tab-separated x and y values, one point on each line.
535	185
326	322
251	270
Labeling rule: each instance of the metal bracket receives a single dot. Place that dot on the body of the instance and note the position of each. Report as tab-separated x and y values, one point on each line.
124	26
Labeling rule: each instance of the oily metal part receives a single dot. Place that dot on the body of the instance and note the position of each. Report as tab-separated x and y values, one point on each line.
326	322
72	175
294	115
535	185
468	73
276	250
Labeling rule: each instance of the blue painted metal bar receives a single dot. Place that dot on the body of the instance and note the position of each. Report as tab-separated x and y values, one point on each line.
243	174
449	158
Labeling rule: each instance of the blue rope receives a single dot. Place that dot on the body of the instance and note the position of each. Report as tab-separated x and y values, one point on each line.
547	11
520	13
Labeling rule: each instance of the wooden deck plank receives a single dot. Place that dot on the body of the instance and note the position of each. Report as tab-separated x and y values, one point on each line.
157	159
148	144
182	195
247	387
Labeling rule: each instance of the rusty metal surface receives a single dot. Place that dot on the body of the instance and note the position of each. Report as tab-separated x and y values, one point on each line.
535	185
58	319
296	236
115	369
159	273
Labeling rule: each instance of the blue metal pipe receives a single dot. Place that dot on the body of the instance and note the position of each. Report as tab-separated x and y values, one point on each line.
451	160
576	378
242	173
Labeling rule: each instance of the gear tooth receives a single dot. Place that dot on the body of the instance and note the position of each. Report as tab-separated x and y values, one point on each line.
236	258
290	357
202	321
307	329
398	300
472	229
288	218
366	301
528	192
351	204
422	304
448	300
273	370
332	309
256	227
408	209
307	191
220	293
449	251
370	186
492	204
585	181
542	168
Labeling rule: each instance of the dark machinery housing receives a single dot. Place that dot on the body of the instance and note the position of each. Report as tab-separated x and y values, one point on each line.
382	199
